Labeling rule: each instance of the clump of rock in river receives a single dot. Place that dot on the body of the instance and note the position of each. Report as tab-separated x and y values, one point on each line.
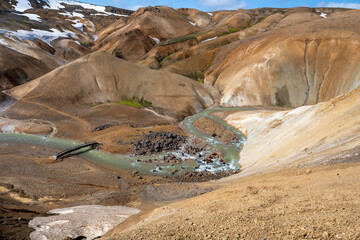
157	142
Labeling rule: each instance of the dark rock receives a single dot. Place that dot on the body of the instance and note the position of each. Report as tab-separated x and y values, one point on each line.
157	142
102	127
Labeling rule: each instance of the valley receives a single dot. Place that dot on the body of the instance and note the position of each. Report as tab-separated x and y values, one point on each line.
229	124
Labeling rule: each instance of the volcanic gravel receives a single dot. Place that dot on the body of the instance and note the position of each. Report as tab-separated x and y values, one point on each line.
158	142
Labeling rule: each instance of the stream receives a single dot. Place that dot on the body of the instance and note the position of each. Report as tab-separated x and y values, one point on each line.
121	163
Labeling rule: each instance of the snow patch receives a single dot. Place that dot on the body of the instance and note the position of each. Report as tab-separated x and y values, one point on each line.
90	221
210	39
100	14
62	211
77	24
57	4
3	42
46	36
22	5
52	224
155	39
65	14
210	14
194	24
54	4
76	14
84	5
324	15
31	16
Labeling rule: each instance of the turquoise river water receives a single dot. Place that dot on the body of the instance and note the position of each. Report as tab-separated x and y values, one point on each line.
123	163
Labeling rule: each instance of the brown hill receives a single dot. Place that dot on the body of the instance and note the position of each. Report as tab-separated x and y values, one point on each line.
68	49
201	19
17	68
162	23
292	66
129	45
100	78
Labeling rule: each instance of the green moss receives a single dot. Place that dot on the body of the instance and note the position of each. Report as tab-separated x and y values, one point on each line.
82	42
181	39
26	21
135	102
162	62
280	104
178	39
232	30
202	74
197	76
224	34
263	18
193	76
211	64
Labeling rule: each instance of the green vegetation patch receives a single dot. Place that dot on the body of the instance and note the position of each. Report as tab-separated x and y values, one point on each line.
263	18
197	76
162	62
135	102
179	39
232	30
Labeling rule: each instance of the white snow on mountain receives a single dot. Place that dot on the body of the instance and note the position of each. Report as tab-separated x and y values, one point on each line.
31	16
23	5
46	36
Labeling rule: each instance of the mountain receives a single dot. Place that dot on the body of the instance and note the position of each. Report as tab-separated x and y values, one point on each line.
50	20
293	66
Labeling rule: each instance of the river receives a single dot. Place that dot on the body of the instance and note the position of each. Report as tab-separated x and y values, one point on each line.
123	163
